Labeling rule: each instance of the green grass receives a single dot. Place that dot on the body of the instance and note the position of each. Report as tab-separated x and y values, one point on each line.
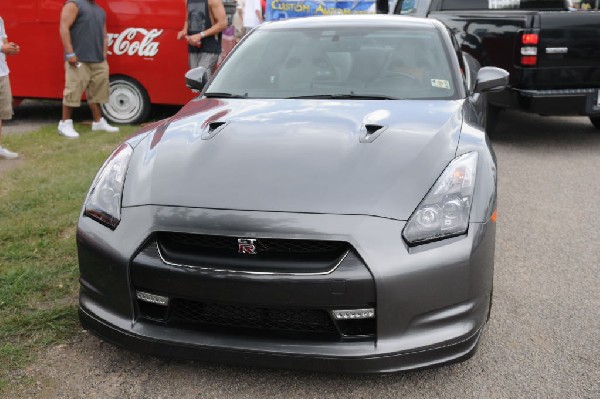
40	201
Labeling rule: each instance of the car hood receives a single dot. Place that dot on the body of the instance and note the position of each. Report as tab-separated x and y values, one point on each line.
309	156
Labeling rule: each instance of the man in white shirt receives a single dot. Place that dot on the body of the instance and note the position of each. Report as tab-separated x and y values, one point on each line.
6	111
253	15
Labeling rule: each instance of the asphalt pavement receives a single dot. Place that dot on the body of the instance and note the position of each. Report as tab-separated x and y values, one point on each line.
543	339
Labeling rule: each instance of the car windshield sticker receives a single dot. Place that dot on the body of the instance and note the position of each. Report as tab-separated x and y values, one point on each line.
441	83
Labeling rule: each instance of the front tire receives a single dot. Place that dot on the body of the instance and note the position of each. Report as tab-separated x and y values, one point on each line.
128	101
595	121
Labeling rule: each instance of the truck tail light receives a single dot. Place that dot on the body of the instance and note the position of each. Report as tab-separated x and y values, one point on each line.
530	38
529	50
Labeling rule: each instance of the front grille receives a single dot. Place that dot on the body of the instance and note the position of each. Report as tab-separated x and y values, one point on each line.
272	255
264	245
236	317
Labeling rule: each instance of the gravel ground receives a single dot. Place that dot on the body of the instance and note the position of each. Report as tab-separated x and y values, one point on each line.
543	340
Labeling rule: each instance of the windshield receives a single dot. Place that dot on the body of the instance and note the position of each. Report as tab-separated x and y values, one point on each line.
409	63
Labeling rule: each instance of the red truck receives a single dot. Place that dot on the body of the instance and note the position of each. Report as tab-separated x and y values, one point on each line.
147	62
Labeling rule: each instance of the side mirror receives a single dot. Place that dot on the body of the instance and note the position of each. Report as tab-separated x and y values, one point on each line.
196	78
491	79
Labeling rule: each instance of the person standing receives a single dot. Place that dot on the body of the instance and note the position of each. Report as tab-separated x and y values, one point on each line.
382	6
6	111
238	20
204	22
83	35
253	15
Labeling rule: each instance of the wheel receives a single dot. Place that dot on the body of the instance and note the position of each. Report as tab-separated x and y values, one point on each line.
595	121
128	101
491	120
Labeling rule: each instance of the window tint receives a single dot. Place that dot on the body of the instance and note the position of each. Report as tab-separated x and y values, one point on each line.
410	63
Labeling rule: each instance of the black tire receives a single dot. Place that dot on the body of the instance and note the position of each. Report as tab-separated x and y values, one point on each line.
128	101
491	121
595	121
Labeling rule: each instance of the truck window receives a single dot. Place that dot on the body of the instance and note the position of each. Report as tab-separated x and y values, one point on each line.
451	5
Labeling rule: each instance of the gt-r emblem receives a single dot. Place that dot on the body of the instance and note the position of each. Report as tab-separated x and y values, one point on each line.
247	246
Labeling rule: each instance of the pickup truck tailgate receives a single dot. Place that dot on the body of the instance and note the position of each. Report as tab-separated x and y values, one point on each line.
569	48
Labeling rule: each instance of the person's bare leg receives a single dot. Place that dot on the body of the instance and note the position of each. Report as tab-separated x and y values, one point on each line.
66	112
96	113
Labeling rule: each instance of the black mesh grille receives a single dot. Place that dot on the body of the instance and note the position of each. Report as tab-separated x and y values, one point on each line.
256	318
264	245
266	254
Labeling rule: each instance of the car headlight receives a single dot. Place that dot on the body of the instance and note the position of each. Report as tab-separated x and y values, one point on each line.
103	203
444	212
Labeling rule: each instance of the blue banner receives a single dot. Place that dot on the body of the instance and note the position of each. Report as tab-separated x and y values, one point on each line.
283	9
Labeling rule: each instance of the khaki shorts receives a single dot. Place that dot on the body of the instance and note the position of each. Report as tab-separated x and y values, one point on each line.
91	77
6	111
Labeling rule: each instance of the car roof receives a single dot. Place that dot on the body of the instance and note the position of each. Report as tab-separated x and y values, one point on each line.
351	21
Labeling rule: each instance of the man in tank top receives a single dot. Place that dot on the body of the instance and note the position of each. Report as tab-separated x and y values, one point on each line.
83	35
205	20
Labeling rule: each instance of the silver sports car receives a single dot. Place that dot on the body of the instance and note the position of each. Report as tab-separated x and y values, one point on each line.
327	203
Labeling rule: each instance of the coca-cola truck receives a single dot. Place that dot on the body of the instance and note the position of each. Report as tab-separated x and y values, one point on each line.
147	62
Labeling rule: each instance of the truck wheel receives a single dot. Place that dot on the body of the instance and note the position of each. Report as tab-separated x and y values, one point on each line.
493	114
128	101
595	121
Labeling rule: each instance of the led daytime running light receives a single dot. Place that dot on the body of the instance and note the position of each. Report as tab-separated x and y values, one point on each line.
354	314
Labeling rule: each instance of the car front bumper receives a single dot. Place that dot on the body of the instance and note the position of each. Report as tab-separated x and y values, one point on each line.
431	301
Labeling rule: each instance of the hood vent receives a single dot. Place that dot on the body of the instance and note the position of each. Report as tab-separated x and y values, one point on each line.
212	129
369	132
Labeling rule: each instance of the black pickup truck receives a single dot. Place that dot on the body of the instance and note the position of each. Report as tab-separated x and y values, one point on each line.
551	51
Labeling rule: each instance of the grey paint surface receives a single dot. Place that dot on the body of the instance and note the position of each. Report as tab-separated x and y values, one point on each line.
300	156
304	169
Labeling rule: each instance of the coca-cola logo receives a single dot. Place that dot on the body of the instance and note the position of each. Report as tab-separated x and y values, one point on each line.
134	41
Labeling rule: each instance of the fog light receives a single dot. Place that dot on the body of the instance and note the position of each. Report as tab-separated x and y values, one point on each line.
354	314
152	298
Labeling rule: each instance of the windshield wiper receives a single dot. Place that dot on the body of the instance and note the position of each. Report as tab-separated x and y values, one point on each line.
350	95
225	95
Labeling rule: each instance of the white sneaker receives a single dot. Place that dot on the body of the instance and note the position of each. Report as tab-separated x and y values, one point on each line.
4	153
102	124
65	128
